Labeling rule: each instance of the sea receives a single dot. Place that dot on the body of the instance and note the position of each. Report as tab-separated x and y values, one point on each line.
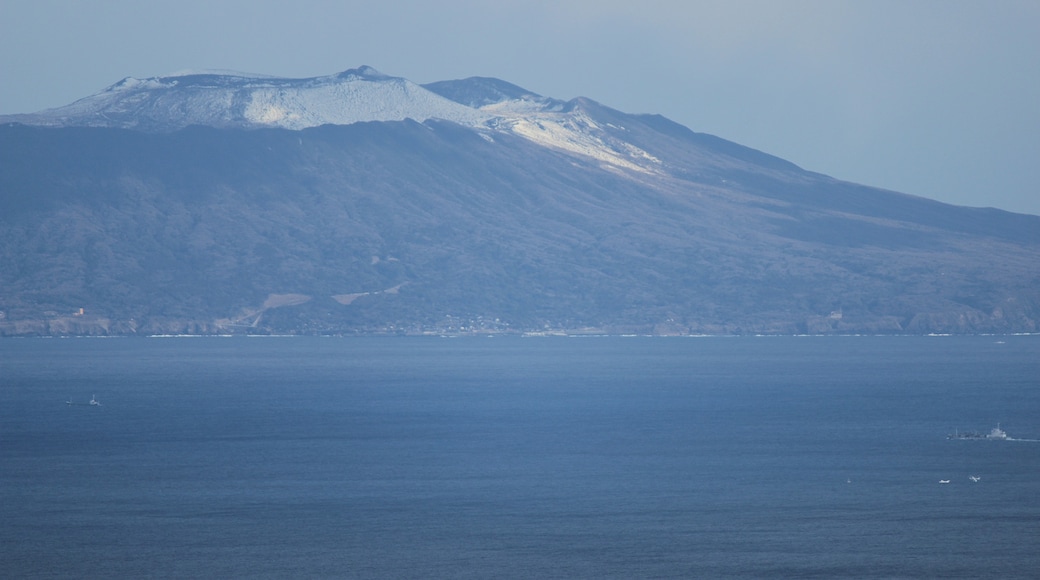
519	457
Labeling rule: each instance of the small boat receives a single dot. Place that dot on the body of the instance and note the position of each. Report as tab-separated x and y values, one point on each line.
995	434
974	478
93	402
944	481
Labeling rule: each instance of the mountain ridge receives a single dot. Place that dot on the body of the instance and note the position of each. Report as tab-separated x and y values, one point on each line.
250	101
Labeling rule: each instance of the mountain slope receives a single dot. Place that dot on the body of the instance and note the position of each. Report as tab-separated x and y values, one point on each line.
544	215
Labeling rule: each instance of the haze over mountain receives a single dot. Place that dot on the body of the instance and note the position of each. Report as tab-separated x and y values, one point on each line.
365	203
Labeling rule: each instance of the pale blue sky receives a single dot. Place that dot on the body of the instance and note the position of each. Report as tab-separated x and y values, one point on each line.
938	98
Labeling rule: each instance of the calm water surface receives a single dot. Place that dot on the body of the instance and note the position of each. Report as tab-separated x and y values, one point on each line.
509	457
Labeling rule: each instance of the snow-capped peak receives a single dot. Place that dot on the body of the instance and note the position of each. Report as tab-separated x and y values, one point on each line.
235	99
228	99
364	72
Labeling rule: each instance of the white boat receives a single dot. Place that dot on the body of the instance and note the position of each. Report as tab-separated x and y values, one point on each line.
974	478
944	481
94	401
997	433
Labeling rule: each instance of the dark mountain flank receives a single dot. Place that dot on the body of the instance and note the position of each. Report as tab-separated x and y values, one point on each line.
537	215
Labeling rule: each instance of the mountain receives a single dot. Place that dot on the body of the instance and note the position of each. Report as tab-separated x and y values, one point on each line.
365	203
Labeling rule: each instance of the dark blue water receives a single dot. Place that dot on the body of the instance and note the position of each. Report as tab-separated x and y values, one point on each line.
510	457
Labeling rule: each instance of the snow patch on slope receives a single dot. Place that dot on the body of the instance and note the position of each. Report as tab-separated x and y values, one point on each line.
578	133
548	122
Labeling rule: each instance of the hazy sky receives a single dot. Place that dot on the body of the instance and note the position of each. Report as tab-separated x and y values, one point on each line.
939	98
